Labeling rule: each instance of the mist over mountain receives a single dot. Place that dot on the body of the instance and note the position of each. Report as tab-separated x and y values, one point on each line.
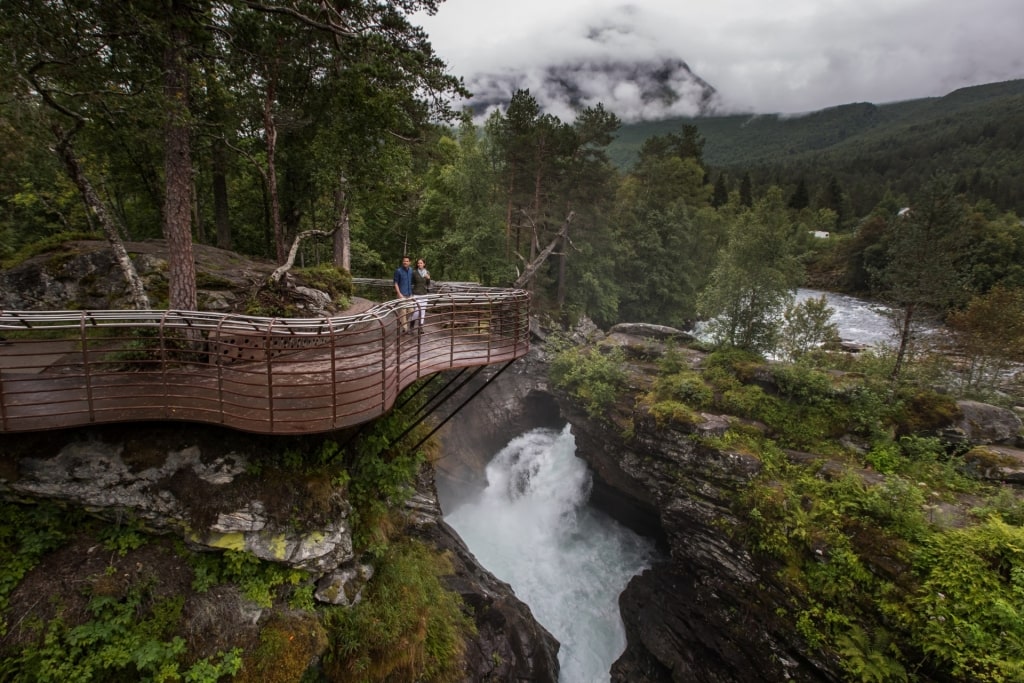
638	90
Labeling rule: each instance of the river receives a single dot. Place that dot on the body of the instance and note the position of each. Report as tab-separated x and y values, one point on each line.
858	320
532	528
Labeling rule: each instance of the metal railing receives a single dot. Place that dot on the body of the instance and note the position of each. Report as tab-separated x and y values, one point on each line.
265	375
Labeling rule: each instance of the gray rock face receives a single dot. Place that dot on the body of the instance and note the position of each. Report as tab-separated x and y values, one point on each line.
344	586
517	401
204	493
709	612
93	474
983	424
660	332
509	644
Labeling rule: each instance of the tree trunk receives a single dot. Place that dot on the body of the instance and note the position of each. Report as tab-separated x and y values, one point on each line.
95	204
563	259
290	259
220	194
197	215
535	263
342	229
906	331
177	212
508	214
275	202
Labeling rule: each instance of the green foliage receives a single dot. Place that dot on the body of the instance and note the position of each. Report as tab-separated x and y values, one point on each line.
686	386
990	333
1004	504
898	504
866	148
595	377
407	628
26	534
124	639
883	457
50	243
806	325
671	411
259	580
122	537
736	362
968	614
925	409
380	477
754	280
870	659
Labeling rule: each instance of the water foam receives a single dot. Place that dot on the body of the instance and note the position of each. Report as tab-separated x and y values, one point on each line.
532	528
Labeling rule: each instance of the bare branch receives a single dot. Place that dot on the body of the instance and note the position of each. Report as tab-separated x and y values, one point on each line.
287	265
533	266
330	27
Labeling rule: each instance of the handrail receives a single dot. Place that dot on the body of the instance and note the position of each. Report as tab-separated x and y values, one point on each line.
256	374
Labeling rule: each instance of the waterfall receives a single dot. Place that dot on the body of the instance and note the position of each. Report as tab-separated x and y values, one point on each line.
532	528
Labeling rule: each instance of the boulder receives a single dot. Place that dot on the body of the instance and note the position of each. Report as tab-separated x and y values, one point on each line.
982	423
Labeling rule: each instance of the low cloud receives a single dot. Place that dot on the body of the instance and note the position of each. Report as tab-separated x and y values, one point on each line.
786	56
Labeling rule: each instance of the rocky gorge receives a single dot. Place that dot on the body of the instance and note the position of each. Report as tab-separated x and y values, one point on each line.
712	610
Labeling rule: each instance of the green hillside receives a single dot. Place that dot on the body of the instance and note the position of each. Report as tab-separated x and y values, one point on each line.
976	133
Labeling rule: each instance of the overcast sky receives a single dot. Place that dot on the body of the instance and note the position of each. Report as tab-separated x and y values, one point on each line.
761	56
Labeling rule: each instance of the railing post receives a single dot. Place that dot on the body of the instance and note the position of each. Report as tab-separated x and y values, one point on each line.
86	368
451	329
163	360
3	402
270	372
334	374
216	358
384	362
490	326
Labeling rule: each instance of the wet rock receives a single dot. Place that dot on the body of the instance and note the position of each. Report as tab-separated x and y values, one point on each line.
509	645
344	586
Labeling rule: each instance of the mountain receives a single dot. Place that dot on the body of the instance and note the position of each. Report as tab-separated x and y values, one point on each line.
633	90
974	133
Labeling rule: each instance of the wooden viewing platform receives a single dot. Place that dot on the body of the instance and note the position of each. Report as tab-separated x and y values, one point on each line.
263	375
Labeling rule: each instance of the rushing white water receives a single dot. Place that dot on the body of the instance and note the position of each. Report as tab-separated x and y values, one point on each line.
531	527
858	320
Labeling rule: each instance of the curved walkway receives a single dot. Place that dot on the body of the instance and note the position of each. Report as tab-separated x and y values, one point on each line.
273	376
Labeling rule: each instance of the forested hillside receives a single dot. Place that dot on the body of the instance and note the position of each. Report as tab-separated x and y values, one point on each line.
975	134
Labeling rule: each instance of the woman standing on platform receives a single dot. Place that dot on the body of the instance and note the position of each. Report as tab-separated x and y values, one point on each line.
420	287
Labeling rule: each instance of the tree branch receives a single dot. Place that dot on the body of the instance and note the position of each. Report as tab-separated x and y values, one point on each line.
287	265
533	266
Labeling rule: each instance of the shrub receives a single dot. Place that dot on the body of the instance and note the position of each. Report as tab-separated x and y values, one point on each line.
667	412
407	628
925	410
594	377
288	644
737	362
968	615
807	325
685	386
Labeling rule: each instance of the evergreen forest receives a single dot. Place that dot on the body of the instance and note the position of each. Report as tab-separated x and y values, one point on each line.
248	125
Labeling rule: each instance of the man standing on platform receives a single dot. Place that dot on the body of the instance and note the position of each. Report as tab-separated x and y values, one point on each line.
403	289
